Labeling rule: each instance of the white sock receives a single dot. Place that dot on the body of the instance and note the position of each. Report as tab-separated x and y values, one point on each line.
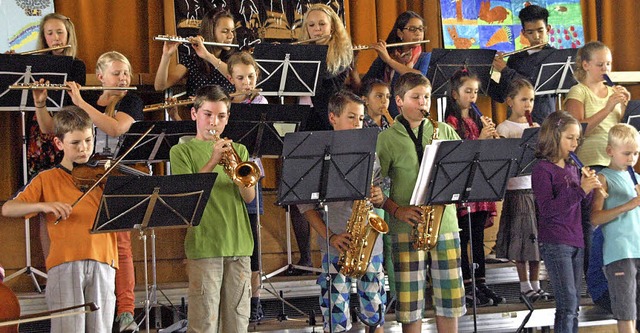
525	286
535	285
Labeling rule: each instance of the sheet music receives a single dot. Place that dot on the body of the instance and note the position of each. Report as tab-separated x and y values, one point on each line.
419	196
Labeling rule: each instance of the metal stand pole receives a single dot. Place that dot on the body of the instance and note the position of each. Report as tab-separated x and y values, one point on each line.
28	269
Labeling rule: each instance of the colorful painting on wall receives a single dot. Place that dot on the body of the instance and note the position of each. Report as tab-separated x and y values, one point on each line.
494	24
21	23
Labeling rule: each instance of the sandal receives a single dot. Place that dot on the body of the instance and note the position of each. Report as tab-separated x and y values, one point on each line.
531	295
543	295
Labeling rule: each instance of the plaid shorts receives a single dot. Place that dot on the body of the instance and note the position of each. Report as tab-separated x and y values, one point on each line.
372	296
410	268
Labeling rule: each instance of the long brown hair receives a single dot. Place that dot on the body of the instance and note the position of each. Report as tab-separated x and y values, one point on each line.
71	34
550	134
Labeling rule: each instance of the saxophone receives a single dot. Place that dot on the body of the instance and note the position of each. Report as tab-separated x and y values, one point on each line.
245	174
424	234
364	227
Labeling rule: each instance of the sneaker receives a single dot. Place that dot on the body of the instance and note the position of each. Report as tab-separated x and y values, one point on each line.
531	295
491	294
127	324
256	310
543	295
481	299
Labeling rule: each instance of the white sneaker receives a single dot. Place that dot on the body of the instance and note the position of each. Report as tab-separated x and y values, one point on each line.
127	324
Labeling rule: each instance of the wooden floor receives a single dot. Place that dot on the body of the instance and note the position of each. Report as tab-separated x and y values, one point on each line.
300	293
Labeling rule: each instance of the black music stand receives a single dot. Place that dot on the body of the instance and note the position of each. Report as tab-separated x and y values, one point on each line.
527	149
327	166
290	70
152	202
262	128
632	114
445	62
14	69
555	73
467	171
156	145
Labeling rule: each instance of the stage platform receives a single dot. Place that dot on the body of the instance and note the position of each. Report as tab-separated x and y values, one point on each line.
302	292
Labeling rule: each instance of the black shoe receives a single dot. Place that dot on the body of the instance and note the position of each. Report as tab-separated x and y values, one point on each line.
256	310
481	298
491	294
543	295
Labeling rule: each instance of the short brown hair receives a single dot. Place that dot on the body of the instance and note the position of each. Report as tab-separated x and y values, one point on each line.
69	119
243	58
338	101
408	81
212	93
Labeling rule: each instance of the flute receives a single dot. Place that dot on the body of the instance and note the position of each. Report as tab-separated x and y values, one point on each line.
245	93
485	120
369	47
632	173
311	40
45	50
532	47
57	86
178	39
166	105
586	171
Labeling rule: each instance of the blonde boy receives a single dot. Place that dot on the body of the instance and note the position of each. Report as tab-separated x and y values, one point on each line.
400	150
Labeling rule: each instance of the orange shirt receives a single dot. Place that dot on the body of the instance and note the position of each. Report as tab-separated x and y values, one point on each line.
70	239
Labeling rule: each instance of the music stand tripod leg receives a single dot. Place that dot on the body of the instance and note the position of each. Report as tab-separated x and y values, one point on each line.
28	269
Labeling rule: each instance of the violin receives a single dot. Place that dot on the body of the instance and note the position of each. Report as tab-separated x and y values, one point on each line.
85	175
10	311
103	173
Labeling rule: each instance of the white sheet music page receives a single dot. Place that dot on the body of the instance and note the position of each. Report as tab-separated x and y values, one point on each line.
419	196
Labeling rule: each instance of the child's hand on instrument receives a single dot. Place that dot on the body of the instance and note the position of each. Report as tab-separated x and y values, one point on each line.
61	210
40	95
169	48
74	93
409	214
589	181
377	197
340	241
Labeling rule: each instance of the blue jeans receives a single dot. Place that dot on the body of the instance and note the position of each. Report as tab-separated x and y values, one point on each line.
564	267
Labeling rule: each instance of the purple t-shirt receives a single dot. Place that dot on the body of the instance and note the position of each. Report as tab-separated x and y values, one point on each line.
559	200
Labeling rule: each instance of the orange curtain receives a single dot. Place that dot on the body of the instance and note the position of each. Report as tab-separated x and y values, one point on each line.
117	25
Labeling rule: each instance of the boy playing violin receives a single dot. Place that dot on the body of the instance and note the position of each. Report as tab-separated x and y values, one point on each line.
80	265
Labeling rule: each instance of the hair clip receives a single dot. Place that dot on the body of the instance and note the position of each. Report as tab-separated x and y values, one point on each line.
559	123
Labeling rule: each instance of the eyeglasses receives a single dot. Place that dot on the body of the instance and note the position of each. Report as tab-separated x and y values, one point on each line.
414	29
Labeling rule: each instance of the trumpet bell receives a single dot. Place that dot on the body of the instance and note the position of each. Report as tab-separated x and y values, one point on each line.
247	174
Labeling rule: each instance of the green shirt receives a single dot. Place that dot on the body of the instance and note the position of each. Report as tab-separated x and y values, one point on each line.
224	229
399	161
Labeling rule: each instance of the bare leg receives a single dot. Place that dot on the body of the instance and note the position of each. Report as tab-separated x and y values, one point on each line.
415	327
521	268
626	326
446	324
534	270
255	284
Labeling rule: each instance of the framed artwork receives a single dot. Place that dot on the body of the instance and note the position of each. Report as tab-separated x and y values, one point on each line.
494	24
21	23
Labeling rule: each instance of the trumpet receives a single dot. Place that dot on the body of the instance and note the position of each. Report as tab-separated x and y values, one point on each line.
169	38
485	120
586	171
57	86
245	174
532	47
368	47
311	40
45	50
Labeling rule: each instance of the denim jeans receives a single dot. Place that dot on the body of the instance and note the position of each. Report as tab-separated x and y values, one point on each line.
564	267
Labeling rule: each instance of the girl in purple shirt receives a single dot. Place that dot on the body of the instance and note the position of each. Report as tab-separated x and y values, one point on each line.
560	194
